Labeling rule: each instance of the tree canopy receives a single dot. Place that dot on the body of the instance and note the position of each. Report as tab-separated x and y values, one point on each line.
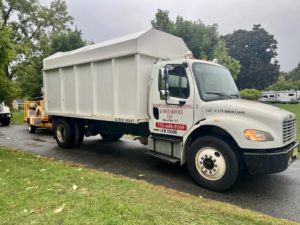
28	33
294	75
256	51
287	81
203	40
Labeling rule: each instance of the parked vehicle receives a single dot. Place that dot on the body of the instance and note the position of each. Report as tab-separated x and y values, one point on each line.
280	96
186	110
34	115
5	115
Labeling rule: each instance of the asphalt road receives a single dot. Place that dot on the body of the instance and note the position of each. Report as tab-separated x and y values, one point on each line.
277	194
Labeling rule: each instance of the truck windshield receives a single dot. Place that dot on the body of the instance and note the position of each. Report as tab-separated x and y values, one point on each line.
214	82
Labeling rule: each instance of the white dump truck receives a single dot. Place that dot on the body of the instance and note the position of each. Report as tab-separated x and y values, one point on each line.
5	115
186	110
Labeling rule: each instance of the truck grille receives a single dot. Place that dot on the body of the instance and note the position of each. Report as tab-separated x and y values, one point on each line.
289	130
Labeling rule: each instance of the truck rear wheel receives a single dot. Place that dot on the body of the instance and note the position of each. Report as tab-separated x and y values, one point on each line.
111	136
5	122
213	163
64	133
78	134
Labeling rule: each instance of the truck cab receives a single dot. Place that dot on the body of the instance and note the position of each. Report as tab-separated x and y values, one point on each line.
5	115
198	118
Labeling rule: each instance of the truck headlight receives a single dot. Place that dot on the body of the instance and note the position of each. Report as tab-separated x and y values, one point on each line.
257	135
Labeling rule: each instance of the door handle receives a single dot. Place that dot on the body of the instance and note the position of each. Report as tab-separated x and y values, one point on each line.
182	102
156	113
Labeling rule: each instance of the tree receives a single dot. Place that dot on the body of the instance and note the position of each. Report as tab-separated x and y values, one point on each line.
32	28
203	40
163	22
8	88
232	64
256	51
66	41
284	83
29	21
294	75
31	80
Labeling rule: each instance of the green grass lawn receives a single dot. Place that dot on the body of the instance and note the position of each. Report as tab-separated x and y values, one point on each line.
17	116
35	190
294	108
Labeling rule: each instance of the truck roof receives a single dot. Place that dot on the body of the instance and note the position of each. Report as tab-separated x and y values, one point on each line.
149	42
191	61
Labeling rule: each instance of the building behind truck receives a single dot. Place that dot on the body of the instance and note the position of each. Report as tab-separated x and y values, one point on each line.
187	111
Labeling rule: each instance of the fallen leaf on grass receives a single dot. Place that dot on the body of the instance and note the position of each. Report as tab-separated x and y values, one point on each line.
74	187
30	188
58	210
36	210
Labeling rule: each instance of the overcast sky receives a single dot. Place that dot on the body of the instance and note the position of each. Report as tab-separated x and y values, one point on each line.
101	20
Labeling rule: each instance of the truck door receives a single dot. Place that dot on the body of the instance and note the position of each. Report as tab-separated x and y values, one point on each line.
172	115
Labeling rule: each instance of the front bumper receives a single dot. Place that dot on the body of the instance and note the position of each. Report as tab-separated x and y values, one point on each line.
270	160
5	116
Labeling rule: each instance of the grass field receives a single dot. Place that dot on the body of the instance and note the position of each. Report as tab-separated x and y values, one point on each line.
34	190
17	117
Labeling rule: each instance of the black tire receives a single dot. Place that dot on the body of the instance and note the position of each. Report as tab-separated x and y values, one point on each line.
31	128
205	164
5	122
64	133
78	133
111	136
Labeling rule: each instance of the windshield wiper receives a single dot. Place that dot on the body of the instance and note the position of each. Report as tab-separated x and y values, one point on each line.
220	94
235	95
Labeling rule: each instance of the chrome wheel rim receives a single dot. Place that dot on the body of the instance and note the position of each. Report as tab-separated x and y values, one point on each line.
60	133
210	163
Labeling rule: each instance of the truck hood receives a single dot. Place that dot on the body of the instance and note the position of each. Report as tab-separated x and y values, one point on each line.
236	115
245	108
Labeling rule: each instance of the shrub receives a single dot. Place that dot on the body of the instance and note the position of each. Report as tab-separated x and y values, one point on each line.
250	94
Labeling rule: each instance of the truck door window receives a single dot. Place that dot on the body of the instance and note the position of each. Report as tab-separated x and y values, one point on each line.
178	82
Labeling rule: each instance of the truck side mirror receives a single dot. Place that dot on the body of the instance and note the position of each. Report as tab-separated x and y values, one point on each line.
163	83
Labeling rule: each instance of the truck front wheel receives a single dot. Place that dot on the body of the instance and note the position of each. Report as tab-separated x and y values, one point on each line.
64	133
213	163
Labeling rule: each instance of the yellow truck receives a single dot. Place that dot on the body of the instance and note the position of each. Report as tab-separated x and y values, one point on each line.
34	115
